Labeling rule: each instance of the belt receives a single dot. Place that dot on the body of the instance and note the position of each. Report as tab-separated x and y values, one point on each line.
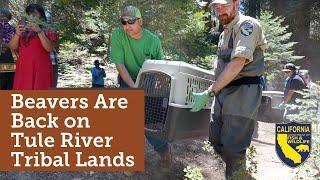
245	80
7	67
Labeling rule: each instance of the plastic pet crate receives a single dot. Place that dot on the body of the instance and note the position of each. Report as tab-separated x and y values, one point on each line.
168	86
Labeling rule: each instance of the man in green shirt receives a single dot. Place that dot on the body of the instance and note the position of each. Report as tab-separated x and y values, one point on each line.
131	45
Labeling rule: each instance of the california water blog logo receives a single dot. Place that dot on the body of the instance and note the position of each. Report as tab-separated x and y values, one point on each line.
293	142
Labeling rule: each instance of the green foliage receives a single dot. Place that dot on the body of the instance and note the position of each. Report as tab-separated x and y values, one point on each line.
207	146
192	173
17	8
195	47
309	112
279	49
251	158
72	50
308	106
40	22
68	15
193	37
205	62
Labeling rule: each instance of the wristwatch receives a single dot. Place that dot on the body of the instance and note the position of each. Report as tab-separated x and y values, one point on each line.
211	93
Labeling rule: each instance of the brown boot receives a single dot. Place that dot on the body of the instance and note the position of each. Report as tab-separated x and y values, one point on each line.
236	166
166	158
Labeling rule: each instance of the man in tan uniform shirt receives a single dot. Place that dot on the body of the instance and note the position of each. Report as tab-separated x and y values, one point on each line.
237	89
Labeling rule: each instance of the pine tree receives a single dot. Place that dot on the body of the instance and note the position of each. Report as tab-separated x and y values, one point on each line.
279	49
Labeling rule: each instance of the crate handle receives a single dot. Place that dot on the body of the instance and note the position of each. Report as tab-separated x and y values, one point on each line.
151	130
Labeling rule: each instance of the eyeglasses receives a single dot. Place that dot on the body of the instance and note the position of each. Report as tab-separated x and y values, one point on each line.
129	21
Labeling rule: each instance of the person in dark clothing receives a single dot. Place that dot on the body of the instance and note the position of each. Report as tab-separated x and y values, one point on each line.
6	59
98	74
293	83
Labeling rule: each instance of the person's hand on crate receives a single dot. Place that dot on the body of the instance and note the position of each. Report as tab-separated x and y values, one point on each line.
200	100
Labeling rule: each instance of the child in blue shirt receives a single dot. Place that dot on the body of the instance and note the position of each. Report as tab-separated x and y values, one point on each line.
97	75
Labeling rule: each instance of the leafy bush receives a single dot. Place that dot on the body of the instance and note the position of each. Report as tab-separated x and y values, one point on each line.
279	48
192	173
309	112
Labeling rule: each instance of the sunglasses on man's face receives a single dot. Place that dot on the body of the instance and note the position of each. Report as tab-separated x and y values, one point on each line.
129	21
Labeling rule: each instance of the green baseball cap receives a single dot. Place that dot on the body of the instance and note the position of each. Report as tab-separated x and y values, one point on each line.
131	12
220	2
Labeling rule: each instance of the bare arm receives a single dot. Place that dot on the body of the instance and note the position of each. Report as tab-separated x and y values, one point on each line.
229	73
46	43
14	42
124	74
288	97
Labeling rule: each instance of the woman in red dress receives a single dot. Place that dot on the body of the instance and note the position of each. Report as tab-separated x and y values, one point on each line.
34	44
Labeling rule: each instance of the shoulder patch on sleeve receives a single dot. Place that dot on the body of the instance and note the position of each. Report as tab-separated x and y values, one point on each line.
247	28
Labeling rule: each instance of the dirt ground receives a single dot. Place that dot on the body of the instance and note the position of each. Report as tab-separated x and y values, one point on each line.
188	152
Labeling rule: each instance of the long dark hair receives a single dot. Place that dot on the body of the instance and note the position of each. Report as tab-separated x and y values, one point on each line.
28	35
34	6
